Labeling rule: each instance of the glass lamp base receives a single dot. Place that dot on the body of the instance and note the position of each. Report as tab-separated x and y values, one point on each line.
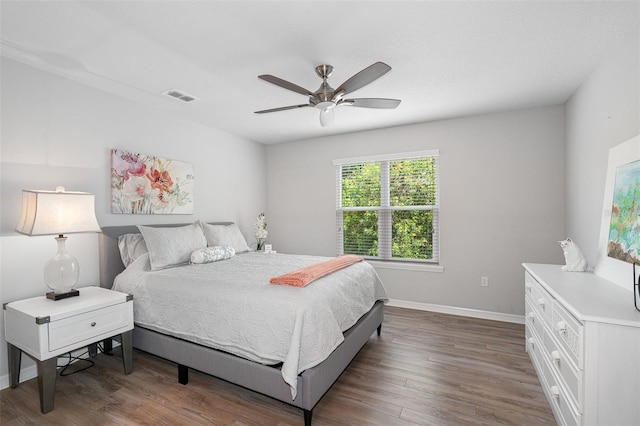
58	296
61	273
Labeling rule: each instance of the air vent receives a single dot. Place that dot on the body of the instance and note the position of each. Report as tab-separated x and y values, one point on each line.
180	95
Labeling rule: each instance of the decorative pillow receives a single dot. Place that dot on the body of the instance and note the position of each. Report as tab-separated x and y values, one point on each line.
212	254
172	246
131	247
225	235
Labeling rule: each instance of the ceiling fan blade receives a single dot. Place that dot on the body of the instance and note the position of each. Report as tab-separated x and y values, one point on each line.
281	108
364	77
285	84
372	103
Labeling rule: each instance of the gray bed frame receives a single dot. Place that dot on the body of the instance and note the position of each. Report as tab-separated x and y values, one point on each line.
312	383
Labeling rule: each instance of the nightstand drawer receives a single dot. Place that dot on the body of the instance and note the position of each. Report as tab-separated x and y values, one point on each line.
87	326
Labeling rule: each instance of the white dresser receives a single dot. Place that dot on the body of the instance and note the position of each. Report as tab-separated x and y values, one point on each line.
583	337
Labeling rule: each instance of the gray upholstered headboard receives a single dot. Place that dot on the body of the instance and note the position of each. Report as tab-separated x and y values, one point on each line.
110	261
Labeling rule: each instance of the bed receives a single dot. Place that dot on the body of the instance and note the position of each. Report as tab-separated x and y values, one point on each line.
300	381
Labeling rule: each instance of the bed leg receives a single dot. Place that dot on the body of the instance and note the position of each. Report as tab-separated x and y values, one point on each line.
307	417
379	329
183	374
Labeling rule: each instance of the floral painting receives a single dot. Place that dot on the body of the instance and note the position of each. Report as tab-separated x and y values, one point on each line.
143	184
624	230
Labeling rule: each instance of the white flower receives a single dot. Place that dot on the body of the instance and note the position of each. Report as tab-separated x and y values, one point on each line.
260	228
136	187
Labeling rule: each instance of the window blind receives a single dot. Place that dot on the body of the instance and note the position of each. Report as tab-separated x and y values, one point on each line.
387	208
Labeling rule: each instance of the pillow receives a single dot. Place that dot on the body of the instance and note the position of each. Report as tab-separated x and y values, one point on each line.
225	235
212	254
131	247
172	246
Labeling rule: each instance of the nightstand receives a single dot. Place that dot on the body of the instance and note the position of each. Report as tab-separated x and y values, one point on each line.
43	329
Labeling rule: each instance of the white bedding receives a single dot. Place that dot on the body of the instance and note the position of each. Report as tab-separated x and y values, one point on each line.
230	305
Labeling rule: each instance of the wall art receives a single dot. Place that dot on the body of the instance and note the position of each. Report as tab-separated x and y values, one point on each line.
144	184
607	266
624	228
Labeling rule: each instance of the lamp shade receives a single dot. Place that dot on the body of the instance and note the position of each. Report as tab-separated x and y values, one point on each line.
57	212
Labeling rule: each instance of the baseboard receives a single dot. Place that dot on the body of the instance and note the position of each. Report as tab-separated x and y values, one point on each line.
465	312
31	372
27	373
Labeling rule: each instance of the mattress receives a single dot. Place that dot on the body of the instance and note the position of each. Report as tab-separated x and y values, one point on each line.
231	306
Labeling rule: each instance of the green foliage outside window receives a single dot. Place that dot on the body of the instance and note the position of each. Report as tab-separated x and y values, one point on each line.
390	203
412	234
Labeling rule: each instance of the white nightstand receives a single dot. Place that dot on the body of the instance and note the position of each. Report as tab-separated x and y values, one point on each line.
44	329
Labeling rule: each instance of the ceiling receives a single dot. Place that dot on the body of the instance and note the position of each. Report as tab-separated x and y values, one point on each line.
449	58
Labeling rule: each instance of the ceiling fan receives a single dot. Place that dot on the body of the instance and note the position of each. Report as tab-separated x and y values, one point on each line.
326	98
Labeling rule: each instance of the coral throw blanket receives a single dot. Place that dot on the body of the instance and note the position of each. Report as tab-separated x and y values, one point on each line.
304	276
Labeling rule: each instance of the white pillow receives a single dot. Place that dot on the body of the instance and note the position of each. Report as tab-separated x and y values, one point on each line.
131	247
212	254
172	246
225	235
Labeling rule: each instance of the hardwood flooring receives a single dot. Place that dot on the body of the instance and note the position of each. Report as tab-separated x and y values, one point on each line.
425	369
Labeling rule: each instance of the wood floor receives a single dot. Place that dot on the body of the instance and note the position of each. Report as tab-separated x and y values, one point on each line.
425	369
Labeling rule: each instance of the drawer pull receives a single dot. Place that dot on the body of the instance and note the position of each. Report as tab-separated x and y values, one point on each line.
93	324
532	341
527	287
555	392
555	356
541	303
562	327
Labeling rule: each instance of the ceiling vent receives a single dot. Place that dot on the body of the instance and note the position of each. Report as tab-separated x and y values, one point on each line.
180	95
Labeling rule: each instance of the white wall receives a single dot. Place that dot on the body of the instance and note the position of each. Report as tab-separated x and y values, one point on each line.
502	202
58	132
602	113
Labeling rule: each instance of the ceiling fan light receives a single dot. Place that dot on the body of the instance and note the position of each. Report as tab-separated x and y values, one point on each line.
327	117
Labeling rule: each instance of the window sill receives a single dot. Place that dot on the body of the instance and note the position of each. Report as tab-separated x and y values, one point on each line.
406	266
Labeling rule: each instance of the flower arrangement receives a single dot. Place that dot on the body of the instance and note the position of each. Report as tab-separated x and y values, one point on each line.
261	232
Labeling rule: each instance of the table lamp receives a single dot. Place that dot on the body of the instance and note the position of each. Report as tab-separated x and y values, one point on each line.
58	212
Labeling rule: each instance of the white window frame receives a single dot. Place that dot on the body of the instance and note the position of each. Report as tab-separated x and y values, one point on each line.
385	209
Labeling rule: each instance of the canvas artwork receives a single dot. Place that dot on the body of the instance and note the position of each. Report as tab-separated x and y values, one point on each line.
143	184
624	229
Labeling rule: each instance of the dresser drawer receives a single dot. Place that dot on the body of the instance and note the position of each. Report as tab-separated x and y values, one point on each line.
75	329
561	404
533	318
540	299
534	348
565	370
569	332
528	284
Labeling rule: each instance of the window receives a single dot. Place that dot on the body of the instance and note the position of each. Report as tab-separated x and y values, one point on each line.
387	206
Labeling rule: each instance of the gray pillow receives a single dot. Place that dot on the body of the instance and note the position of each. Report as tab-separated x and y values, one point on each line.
131	247
225	235
172	246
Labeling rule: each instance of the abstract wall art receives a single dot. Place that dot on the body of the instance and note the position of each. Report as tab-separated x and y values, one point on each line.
624	228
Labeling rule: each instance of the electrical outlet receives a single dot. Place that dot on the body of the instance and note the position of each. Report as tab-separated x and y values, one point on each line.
484	282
